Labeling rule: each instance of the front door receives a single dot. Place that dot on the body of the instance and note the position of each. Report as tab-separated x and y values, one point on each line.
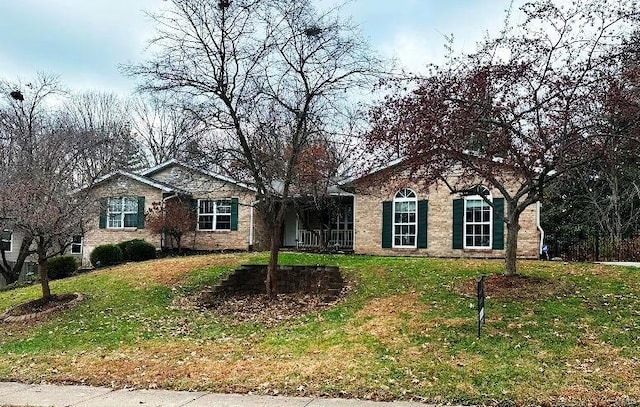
290	230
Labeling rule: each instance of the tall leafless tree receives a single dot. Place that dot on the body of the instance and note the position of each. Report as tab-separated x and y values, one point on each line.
103	120
41	171
166	129
267	77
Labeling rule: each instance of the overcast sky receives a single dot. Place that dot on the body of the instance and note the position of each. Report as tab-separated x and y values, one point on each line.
84	41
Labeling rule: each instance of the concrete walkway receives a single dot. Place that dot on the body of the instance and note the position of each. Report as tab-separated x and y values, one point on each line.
621	263
18	394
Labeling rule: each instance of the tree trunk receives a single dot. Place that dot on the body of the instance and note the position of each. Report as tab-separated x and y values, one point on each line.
271	283
43	272
513	227
11	274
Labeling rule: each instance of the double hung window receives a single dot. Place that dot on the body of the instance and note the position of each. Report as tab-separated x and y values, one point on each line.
6	240
405	218
122	212
214	214
477	221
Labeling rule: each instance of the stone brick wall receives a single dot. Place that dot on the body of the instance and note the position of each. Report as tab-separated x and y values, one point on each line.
325	281
368	221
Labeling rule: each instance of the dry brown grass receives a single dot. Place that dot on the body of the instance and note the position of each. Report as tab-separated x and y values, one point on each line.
169	271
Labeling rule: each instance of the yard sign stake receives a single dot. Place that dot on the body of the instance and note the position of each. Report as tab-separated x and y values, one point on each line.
481	315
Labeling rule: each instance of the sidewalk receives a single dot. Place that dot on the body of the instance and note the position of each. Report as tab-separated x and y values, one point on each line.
18	394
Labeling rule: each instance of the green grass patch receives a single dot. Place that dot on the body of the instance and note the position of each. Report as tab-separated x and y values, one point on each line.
407	330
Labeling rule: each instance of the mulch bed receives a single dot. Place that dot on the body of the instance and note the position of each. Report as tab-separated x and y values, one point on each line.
515	287
259	308
39	307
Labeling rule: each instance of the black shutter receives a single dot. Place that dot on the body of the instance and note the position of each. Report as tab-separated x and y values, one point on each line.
498	224
141	212
387	224
423	210
102	222
234	213
458	223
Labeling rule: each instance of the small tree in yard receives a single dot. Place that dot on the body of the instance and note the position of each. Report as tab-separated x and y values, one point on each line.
267	77
518	114
173	218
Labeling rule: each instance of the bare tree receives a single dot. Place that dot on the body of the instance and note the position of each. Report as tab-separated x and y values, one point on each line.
101	119
268	77
166	130
40	171
522	111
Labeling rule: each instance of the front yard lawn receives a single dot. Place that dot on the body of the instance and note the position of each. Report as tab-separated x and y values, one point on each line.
407	330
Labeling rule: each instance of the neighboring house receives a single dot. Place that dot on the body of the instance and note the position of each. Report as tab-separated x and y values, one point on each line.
11	242
222	206
387	212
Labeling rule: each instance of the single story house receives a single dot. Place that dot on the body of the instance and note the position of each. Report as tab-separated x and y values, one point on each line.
386	212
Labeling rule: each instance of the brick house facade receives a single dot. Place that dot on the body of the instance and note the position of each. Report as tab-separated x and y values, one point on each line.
395	214
384	213
223	208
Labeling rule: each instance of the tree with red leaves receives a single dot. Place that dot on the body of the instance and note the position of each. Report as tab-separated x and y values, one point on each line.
173	218
520	113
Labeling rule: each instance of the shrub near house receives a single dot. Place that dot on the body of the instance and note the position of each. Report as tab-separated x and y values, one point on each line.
106	255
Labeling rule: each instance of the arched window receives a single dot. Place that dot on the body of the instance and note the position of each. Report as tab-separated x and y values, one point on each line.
405	218
478	220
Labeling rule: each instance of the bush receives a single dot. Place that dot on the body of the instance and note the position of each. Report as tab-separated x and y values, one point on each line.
106	255
61	267
137	250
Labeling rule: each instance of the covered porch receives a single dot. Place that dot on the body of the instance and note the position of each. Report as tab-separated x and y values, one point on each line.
327	227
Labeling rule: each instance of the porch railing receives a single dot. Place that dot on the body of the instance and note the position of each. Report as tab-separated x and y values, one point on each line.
339	239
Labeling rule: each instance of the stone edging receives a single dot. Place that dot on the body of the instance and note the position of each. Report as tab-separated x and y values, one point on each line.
29	317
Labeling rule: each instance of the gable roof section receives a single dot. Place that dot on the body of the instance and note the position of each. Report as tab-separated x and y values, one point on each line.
384	167
173	162
164	187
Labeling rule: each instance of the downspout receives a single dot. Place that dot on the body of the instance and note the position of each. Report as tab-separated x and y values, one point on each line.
539	226
251	226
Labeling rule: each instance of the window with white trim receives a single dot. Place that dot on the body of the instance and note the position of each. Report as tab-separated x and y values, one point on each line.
478	220
76	245
214	214
122	212
405	218
6	240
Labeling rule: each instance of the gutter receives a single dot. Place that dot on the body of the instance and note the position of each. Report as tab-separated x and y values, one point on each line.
539	226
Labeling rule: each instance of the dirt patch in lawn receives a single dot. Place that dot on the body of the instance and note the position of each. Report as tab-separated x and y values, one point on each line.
515	287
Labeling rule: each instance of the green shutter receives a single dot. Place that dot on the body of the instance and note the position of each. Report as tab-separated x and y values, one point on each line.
498	224
387	224
423	210
102	222
458	223
141	212
234	213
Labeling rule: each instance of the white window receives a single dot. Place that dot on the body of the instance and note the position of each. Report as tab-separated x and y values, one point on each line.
477	220
214	214
405	218
76	245
6	240
122	212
